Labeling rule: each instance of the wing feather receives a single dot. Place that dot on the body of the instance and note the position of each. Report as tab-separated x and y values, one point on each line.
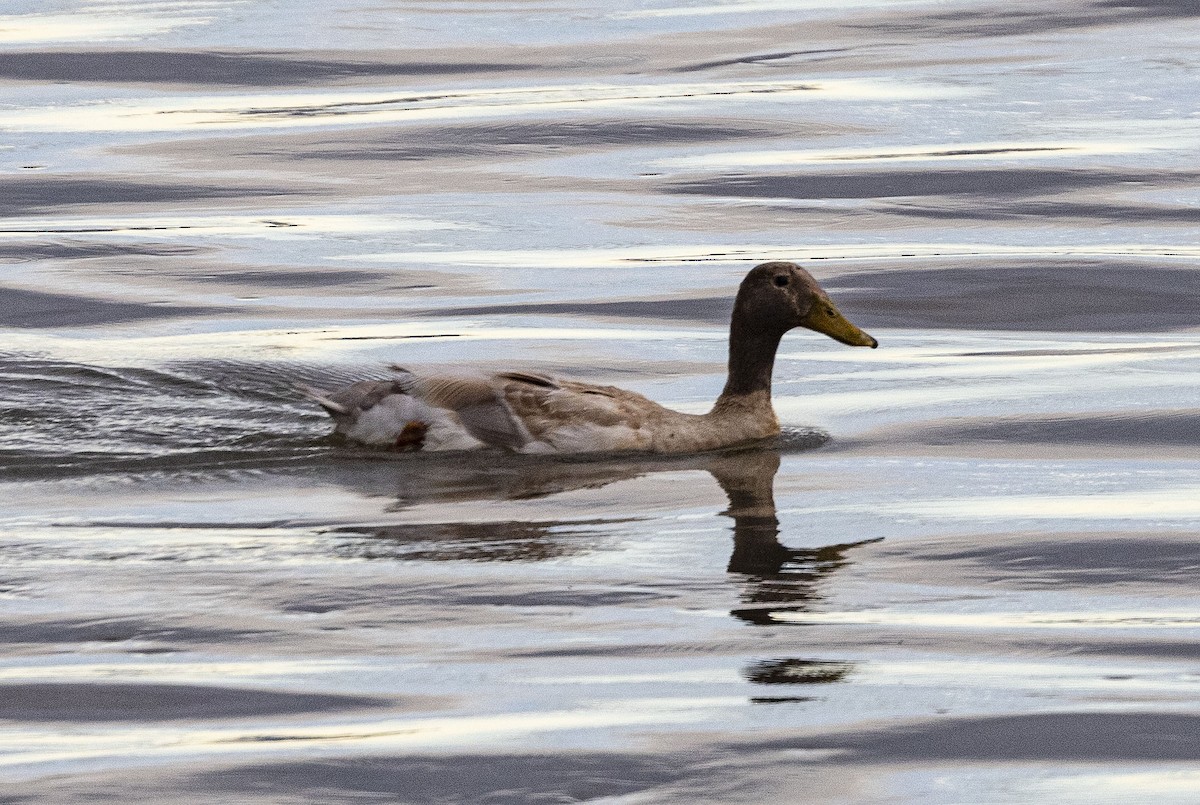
493	423
452	392
529	411
542	381
476	401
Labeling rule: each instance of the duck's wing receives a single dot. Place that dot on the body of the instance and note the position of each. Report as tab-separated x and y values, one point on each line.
477	402
574	417
531	412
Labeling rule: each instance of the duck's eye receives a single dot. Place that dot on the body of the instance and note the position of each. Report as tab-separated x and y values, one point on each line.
830	312
781	280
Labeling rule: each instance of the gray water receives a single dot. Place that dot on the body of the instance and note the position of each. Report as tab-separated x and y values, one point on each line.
967	572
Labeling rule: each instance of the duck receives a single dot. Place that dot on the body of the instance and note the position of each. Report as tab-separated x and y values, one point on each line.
530	412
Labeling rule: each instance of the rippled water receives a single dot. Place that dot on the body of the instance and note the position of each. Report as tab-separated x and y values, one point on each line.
966	573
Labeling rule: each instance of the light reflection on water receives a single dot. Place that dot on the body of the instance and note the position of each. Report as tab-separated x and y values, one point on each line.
971	555
1016	621
955	152
297	111
756	254
1178	502
102	22
199	226
149	744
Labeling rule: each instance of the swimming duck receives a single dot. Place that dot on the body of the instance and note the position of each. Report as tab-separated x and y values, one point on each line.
526	412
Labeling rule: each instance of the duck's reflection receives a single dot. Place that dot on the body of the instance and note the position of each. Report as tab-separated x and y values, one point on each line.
773	577
777	578
467	487
461	542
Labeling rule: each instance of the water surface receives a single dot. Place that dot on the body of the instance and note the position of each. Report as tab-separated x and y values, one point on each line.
966	573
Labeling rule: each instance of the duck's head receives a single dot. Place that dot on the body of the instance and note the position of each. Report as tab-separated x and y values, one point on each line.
780	296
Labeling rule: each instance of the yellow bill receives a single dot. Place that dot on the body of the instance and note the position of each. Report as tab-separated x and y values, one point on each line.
827	319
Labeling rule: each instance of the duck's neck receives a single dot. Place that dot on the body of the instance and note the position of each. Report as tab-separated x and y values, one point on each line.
751	361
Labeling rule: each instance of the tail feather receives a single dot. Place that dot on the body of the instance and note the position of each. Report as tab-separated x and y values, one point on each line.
321	397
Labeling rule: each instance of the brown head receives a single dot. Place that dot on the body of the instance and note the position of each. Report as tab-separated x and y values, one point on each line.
776	297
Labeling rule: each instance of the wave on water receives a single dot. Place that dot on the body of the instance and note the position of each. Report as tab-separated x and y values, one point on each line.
59	418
